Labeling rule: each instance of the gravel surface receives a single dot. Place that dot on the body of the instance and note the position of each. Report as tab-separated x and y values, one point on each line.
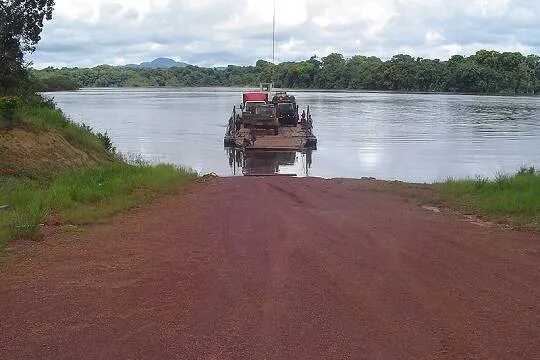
275	268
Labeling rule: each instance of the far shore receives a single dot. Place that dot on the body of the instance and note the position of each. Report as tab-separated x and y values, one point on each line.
356	91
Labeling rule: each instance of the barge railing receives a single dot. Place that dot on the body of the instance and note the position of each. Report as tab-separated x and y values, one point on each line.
232	122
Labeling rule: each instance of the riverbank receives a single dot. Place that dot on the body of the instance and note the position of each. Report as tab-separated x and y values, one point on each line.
233	267
43	145
508	199
55	171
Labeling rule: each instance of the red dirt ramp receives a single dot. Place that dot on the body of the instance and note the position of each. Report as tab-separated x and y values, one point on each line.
276	268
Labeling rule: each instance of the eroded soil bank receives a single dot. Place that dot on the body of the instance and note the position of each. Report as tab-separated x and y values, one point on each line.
276	268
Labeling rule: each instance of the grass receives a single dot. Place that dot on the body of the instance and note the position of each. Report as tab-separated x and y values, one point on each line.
507	198
8	106
82	196
42	115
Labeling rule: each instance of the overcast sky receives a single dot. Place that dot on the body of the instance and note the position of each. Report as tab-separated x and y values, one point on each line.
221	32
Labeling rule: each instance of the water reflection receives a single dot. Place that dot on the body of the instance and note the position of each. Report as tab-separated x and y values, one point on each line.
408	137
263	162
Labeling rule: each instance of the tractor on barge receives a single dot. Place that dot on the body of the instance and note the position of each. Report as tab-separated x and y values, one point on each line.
267	121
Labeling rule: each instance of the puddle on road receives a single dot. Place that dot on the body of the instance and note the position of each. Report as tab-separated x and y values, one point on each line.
265	162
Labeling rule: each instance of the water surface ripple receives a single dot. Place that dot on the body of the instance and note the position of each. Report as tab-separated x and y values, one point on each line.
410	137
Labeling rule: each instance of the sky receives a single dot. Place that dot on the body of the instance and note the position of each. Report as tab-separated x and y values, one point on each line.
220	32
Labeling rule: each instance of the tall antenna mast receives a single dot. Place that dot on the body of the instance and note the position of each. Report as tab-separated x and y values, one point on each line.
274	36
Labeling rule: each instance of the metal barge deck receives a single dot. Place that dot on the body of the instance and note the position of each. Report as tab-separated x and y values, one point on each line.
288	138
294	138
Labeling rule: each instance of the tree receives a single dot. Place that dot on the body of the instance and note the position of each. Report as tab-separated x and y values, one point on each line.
266	69
533	62
365	72
21	23
400	73
307	71
332	74
487	72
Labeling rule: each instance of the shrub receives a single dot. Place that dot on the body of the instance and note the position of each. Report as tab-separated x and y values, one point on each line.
45	101
527	170
107	142
8	108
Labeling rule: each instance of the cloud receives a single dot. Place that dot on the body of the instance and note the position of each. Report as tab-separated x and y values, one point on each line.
221	32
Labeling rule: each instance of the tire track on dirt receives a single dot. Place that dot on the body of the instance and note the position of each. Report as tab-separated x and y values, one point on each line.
276	268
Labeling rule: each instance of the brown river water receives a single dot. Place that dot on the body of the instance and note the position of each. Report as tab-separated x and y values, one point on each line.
408	137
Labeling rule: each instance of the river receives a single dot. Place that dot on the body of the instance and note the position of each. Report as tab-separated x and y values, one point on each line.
408	137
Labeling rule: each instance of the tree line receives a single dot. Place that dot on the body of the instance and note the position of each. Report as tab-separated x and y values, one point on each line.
21	24
486	72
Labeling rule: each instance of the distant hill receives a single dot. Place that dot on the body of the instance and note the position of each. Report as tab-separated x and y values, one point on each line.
159	63
486	72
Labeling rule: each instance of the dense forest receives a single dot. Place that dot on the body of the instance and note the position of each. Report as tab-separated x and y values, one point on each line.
486	72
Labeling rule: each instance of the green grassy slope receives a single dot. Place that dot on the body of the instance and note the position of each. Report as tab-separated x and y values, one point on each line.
51	167
508	198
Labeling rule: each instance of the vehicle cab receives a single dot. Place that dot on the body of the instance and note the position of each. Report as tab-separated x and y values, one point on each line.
258	112
286	108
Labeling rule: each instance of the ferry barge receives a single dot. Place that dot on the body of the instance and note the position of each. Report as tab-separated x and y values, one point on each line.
271	121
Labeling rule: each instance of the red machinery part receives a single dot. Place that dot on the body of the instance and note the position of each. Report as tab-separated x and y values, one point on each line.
255	96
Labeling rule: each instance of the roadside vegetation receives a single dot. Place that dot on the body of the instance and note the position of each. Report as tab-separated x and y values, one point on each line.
513	199
37	192
39	114
53	170
81	196
486	72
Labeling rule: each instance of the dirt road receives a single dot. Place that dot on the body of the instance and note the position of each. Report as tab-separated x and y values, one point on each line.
276	268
